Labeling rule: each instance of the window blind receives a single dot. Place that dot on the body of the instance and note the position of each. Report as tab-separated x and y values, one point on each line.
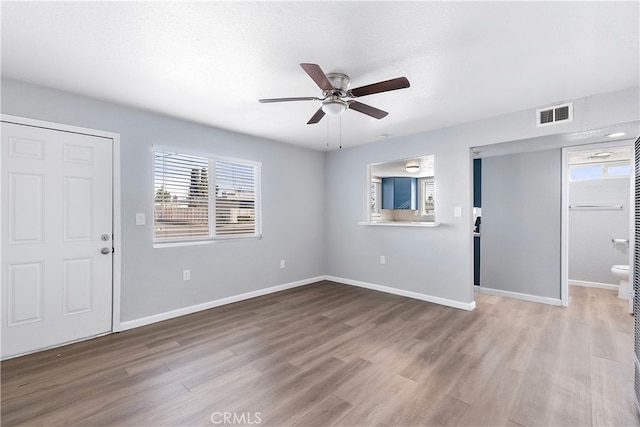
429	189
181	208
235	200
185	208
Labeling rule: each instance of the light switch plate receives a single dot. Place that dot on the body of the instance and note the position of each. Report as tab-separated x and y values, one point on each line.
140	219
457	211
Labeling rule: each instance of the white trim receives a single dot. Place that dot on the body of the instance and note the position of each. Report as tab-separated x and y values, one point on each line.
117	236
415	295
632	225
564	228
207	241
564	208
401	223
518	295
130	324
207	154
116	202
586	284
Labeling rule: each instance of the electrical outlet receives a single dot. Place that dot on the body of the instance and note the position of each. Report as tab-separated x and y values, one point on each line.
186	275
383	260
281	263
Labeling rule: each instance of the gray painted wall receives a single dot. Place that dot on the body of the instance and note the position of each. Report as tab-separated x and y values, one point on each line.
292	205
327	194
521	214
438	262
431	261
591	254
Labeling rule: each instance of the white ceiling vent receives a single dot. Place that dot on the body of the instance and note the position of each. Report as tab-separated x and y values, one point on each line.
556	114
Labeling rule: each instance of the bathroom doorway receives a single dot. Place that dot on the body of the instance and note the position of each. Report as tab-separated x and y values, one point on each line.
597	212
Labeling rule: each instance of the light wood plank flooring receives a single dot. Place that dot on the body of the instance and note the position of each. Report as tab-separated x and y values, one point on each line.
331	354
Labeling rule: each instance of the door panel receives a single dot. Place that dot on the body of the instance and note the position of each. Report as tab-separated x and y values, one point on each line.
77	286
77	208
25	208
25	293
56	205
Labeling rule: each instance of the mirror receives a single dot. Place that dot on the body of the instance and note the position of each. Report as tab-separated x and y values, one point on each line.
402	190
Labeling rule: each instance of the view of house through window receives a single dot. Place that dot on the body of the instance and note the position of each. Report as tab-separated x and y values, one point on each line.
185	206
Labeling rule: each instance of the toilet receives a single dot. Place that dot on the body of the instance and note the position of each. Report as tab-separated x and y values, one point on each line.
621	272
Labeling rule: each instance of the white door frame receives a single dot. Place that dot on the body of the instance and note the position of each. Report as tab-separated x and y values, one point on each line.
117	234
564	227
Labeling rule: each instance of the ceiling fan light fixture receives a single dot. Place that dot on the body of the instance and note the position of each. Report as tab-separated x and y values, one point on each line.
334	106
412	167
600	155
616	134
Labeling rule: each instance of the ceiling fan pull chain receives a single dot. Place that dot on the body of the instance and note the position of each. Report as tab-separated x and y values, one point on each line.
327	132
340	117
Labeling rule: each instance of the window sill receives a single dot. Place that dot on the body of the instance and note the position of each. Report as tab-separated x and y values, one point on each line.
400	223
157	245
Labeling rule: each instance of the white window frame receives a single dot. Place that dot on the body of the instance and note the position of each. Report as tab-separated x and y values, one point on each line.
423	196
212	237
376	207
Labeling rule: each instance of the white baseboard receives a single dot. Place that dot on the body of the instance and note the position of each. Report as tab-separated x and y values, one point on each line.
130	324
586	284
402	292
518	295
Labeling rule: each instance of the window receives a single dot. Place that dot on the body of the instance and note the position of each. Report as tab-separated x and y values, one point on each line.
600	170
186	210
619	170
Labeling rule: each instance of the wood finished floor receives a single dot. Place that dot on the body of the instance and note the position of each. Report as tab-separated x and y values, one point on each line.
330	354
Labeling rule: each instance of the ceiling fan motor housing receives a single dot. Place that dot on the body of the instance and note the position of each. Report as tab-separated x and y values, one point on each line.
340	83
334	104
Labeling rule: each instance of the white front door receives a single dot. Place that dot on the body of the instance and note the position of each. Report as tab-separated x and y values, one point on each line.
56	222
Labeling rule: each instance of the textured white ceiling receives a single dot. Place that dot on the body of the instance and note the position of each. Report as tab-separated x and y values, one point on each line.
209	62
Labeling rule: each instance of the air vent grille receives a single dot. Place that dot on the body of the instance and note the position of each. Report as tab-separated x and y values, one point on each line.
546	116
562	113
552	115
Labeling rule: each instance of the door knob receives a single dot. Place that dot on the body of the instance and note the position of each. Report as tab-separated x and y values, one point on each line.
105	251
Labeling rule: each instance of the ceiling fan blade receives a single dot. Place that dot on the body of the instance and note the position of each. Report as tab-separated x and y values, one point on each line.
318	76
308	98
316	117
367	109
385	86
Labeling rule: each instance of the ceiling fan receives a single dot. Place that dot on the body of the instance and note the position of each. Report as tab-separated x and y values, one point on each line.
335	92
